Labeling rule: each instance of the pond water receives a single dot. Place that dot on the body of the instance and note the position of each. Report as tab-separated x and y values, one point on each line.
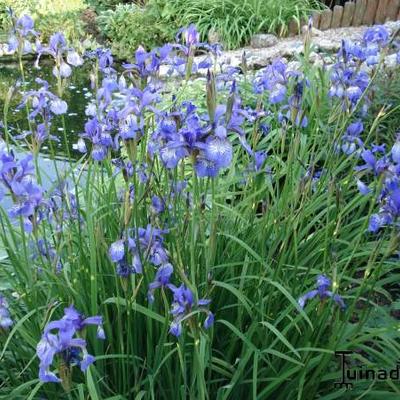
77	95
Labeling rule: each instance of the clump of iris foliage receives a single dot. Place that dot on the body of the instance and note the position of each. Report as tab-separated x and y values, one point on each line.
217	238
232	21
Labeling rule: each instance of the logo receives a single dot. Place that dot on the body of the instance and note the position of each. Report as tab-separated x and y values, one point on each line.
351	375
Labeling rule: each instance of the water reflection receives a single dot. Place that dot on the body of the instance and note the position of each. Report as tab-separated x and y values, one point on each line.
76	95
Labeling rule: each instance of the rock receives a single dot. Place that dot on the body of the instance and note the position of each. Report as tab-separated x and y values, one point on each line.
263	40
327	45
291	49
391	61
4	51
368	69
293	65
213	36
314	57
392	26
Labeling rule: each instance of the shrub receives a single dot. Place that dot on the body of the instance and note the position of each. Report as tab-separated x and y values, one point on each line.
69	23
129	26
102	5
50	16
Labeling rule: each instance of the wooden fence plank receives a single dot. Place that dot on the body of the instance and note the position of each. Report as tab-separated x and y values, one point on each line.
381	12
316	17
370	12
326	19
303	22
337	17
392	10
293	27
359	12
348	13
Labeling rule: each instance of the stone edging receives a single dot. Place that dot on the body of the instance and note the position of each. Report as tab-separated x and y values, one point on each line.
324	44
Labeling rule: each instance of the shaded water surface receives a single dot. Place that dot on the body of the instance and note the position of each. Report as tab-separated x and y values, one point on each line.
77	94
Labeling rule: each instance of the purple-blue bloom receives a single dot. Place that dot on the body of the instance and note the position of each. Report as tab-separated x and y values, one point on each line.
273	79
117	250
162	278
395	152
376	34
66	343
190	35
5	318
151	248
21	34
157	204
363	188
183	303
322	290
120	252
17	176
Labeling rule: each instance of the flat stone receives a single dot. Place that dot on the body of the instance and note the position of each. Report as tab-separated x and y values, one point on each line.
327	45
292	48
324	48
313	57
293	65
263	40
392	26
391	61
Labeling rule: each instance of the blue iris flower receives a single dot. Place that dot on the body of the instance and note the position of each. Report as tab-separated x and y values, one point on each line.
66	343
323	292
5	318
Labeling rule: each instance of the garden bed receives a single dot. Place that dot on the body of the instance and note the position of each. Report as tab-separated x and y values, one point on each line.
224	238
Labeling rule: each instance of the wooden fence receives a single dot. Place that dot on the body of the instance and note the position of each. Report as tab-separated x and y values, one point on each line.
353	13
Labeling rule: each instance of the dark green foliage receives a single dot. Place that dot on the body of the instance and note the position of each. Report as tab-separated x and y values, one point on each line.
236	20
129	26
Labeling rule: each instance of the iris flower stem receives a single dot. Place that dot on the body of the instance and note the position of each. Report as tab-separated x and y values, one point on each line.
199	368
213	234
195	226
35	153
5	122
198	376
